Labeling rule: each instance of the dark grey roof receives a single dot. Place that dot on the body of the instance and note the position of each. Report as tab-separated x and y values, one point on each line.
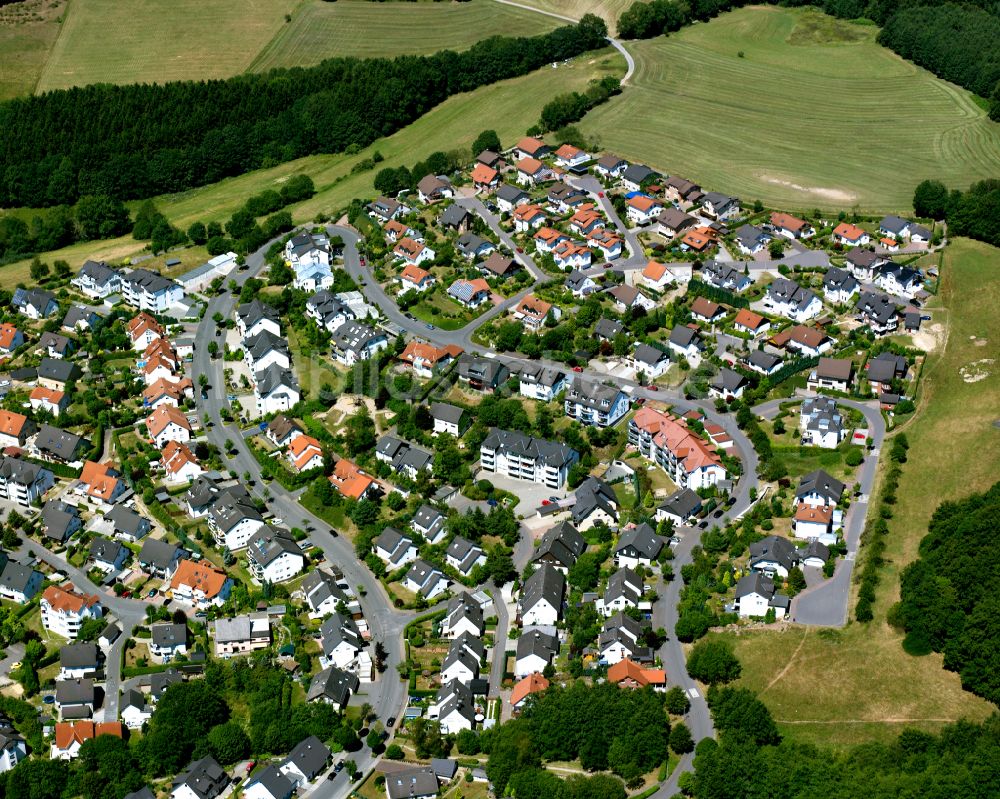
98	271
562	543
637	173
411	782
837	279
608	328
254	311
58	370
16	577
125	520
624	583
168	634
788	291
816	550
551	453
318	586
338	628
454	215
467	650
684	503
547	584
159	554
591	394
535	642
750	236
60	344
310	755
20	471
444	768
893	224
354	336
204	777
78	656
591	494
269	544
104	549
463	606
230	509
755	583
821	483
728	380
487	370
75	692
273	378
447	413
274	782
643	540
333	684
428	517
865	259
648	354
58	443
683	336
142	793
424	575
763	360
774	549
161	681
510	193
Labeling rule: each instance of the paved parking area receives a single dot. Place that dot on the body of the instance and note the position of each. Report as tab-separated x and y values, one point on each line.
530	495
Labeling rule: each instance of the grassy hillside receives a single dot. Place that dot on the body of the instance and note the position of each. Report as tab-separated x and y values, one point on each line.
857	683
361	28
509	107
608	10
27	32
796	109
138	41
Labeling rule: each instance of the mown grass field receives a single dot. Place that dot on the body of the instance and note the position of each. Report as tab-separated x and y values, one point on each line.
155	41
608	10
814	114
509	107
27	32
857	684
364	29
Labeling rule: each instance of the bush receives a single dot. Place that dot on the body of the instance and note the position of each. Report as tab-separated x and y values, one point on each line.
713	662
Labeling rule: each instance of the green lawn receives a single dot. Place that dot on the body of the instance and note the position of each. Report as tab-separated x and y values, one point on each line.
509	107
441	311
110	41
365	29
27	32
814	114
857	684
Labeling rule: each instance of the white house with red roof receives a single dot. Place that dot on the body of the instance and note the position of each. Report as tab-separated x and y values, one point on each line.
686	458
64	610
641	210
412	252
167	423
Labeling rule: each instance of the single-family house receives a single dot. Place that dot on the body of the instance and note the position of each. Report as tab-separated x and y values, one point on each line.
832	374
756	595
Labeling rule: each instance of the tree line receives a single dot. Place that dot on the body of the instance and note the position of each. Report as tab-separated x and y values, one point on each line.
960	43
949	594
974	213
141	140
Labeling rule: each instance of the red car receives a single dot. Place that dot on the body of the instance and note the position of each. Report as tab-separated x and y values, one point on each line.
600	194
577	368
362	261
546	502
651	387
251	766
520	249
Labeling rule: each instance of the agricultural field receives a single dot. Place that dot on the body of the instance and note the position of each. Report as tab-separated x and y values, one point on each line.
364	29
773	104
27	32
154	41
608	10
509	107
855	684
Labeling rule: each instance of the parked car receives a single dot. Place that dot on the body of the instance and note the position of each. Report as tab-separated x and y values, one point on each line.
391	722
577	368
251	766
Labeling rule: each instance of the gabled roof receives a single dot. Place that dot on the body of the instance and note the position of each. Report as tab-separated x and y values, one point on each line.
534	683
643	539
629	670
546	584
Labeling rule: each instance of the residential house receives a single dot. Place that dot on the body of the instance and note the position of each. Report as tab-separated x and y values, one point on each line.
75	699
424	579
563	198
727	384
385	209
449	419
541	382
815	555
534	651
482	374
334	686
595	502
307	760
416	782
636	176
610	166
60	520
624	590
751	239
819	489
426	359
134	712
629	674
470	293
101	483
484	178
125	524
56	374
463	555
344	647
10	338
351	481
355	341
167	423
412	252
814	522
607	329
682	191
98	280
580	284
160	558
821	422
526	688
323	593
787	298
720	206
234	519
683	455
203	779
586	220
107	555
685	341
569	156
167	641
791	227
833	374
810	342
179	463
628	297
274	557
464	616
455	217
275	390
878	311
570	255
304	453
762	362
15	429
850	235
594	403
657	277
700	239
269	783
530	147
282	430
64	610
149	291
199	584
705	310
531	172
77	661
256	317
414	278
883	370
19	582
681	507
264	350
641	210
902	281
638	546
672	222
34	303
725	276
756	595
746	321
510	197
23	482
774	555
167	391
895	227
839	285
546	239
522	457
472	246
242	634
622	637
541	601
533	312
462	661
863	263
429	523
498	265
70	736
395	549
434	187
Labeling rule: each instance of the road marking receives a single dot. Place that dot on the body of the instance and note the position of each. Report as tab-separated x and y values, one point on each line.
693	693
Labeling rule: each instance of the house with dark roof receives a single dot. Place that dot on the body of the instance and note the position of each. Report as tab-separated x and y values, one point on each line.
334	686
425	579
680	507
774	555
595	503
520	457
593	403
819	489
559	547
307	760
638	546
394	548
541	601
878	311
756	595
428	522
534	651
464	615
418	782
203	779
831	373
482	374
57	445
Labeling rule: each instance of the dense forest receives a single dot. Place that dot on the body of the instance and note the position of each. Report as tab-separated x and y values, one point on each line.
140	140
950	594
974	213
960	43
